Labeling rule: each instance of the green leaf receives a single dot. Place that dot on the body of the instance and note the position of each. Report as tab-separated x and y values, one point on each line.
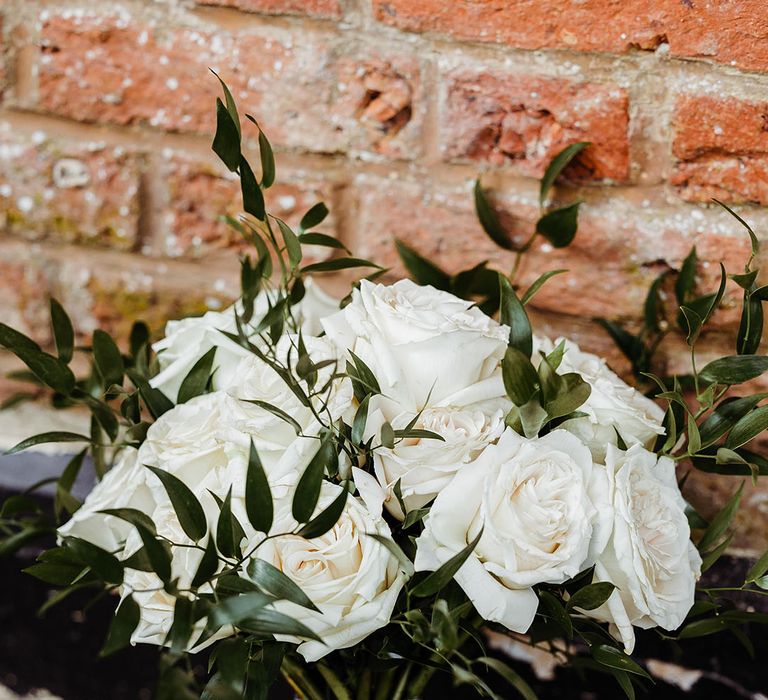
734	369
48	369
720	522
124	623
758	570
158	553
327	518
730	462
559	226
275	411
196	381
694	439
258	497
308	489
188	509
439	578
107	357
208	565
709	558
509	675
752	236
489	219
229	532
42	438
613	658
387	436
556	166
591	596
725	416
105	565
292	244
521	381
132	516
181	627
748	427
268	621
226	141
693	324
360	420
538	283
405	563
253	198
651	307
314	217
750	331
231	106
554	609
274	582
337	264
64	498
322	239
421	269
267	161
238	607
63	332
512	314
686	279
156	401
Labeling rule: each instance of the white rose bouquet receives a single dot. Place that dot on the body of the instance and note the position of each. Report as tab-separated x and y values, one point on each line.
350	493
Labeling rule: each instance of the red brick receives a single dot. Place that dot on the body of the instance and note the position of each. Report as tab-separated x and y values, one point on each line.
729	31
68	191
314	8
303	88
721	147
526	120
618	251
201	194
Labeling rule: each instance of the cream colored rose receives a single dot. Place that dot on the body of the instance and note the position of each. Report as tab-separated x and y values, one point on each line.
424	465
540	505
350	577
649	558
421	343
612	405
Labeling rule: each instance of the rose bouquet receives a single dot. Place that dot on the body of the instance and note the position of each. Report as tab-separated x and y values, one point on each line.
352	492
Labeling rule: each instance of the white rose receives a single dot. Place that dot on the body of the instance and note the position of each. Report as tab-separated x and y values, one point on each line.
612	405
188	339
352	579
650	557
539	503
123	486
425	466
420	342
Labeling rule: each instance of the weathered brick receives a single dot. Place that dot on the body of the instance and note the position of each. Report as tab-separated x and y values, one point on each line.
302	86
200	194
526	120
330	9
619	249
67	191
721	147
727	32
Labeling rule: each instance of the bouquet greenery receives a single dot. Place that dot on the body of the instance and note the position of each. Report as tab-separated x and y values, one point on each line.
352	492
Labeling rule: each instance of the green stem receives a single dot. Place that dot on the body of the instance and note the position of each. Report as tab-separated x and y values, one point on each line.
384	685
400	689
334	683
364	689
299	681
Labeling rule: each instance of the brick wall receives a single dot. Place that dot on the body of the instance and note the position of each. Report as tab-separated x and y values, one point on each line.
387	110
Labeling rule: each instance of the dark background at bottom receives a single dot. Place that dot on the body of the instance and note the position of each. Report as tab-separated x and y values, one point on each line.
59	652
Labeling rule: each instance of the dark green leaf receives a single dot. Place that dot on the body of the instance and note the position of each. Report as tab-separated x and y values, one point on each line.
238	607
48	369
258	497
322	239
720	522
358	424
591	596
613	658
181	628
489	219
133	516
107	357
750	331
387	435
156	401
752	236
521	381
185	503
512	314
274	582
308	489
509	675
53	436
126	620
327	518
253	198
559	226
395	551
279	412
758	570
337	264
538	283
196	381
226	141
231	106
209	563
422	270
439	578
268	621
734	369
267	161
556	166
314	217
63	332
686	279
725	416
748	427
157	552
292	244
105	565
555	610
229	532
